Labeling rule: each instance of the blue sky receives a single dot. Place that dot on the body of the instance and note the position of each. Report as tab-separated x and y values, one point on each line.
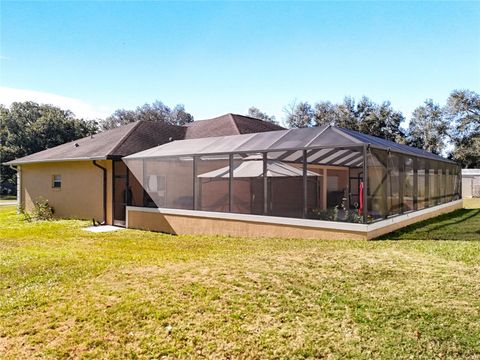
218	57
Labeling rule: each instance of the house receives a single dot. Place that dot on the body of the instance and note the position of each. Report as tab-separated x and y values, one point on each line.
470	183
236	175
87	178
323	182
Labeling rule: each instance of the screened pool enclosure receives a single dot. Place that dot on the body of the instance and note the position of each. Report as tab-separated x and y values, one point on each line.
323	173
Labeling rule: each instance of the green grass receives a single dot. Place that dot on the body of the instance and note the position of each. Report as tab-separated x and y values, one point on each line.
463	224
66	293
8	198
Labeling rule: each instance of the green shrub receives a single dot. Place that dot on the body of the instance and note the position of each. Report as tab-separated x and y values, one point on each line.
337	213
41	211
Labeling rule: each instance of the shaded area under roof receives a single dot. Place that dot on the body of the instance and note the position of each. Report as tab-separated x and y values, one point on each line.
254	168
328	138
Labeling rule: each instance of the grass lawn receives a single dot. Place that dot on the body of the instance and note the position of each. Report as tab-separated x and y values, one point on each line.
66	293
8	198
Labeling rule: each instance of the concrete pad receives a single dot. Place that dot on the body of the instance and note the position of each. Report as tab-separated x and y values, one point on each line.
103	228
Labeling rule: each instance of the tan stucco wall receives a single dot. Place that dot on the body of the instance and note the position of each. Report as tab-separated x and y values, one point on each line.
198	225
177	224
81	194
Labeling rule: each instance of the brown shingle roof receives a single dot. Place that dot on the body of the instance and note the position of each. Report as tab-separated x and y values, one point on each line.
147	135
249	125
142	135
118	142
228	124
89	148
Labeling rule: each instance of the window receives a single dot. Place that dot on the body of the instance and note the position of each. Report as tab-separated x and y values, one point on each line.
56	181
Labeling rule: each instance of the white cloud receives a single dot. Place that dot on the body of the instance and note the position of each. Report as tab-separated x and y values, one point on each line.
80	108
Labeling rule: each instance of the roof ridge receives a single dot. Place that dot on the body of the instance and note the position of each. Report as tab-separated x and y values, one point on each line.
248	116
270	123
345	133
124	137
230	115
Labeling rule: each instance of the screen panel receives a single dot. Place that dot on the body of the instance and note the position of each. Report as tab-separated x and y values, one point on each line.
377	184
408	185
212	183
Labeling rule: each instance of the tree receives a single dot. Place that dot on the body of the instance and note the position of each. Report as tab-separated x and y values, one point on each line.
467	152
325	113
392	123
28	127
347	115
118	118
299	115
368	121
428	128
157	111
380	120
463	112
365	116
342	115
179	116
256	113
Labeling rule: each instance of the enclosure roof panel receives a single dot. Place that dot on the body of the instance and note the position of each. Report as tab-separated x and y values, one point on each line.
393	146
281	140
254	168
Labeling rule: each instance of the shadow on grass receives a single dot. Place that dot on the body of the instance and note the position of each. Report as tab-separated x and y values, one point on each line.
462	224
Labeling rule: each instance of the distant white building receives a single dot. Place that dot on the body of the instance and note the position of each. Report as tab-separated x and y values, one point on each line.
470	183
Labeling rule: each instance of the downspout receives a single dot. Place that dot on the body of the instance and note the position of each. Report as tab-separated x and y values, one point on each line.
19	187
104	191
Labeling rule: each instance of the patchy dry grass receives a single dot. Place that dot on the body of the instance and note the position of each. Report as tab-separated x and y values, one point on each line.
65	293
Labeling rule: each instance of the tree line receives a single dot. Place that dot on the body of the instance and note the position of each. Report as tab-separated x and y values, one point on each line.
28	127
431	127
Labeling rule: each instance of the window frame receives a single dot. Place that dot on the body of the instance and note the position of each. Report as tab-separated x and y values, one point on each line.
56	179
